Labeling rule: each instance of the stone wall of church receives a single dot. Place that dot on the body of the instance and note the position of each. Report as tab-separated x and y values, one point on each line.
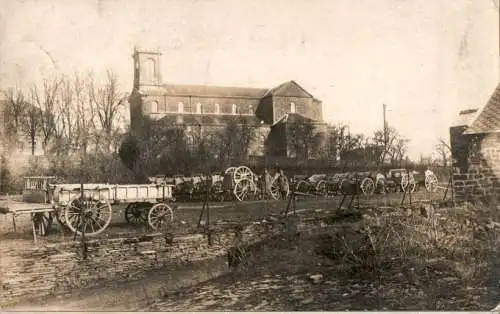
159	105
303	106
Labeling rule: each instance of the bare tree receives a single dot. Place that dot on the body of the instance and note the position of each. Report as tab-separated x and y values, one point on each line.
107	102
444	151
32	124
14	114
44	99
303	139
84	114
394	147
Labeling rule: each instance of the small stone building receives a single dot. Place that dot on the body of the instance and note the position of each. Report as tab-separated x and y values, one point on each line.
200	109
475	145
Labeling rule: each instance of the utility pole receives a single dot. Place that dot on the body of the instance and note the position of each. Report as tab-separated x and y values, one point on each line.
385	126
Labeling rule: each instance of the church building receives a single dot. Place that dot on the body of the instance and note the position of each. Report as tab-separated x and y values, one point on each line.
201	108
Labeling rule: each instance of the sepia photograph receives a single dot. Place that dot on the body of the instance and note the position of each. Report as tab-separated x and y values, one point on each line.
217	155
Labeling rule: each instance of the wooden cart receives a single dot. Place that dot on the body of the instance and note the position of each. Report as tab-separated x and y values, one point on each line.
87	208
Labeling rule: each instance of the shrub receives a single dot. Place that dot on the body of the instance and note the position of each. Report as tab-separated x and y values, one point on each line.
424	245
5	176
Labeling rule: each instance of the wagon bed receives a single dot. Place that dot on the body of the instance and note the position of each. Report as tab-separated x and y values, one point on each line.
87	208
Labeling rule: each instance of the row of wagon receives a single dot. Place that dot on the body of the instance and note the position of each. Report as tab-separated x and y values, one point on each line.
234	184
396	180
87	209
240	184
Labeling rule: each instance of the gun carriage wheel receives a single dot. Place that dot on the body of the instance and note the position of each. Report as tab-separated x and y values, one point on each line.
408	183
241	173
302	186
244	189
367	186
431	183
279	188
322	188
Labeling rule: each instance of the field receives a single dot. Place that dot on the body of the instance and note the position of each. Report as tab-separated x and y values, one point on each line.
187	214
391	258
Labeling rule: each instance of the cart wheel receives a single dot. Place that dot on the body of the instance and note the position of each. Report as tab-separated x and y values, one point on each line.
242	172
160	216
277	191
302	186
408	181
42	224
367	186
89	215
244	189
431	183
321	188
135	214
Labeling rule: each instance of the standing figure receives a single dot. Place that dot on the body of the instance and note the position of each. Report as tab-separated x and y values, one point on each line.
283	184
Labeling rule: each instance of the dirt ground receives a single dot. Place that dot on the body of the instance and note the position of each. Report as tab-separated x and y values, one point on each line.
290	275
277	279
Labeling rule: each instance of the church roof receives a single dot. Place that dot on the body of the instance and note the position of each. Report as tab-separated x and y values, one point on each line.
289	89
213	91
487	119
286	89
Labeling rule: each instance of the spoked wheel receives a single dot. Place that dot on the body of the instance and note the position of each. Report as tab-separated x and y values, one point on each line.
230	169
302	186
321	188
242	172
160	216
367	186
431	183
136	213
408	181
244	189
42	222
88	215
280	189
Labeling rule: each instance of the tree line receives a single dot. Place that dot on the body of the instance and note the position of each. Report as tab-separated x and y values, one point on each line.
80	125
76	120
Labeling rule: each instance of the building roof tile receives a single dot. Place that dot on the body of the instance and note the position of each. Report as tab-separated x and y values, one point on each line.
213	91
487	120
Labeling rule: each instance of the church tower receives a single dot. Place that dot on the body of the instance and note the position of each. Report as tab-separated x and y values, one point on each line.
146	68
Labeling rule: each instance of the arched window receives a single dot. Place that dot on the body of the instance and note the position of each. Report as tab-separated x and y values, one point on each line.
292	107
217	108
198	108
153	107
234	110
180	107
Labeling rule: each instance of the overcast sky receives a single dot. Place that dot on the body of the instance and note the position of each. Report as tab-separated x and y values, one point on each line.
425	59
